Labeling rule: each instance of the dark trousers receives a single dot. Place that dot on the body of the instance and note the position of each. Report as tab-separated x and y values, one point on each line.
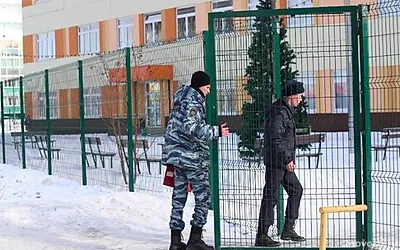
273	179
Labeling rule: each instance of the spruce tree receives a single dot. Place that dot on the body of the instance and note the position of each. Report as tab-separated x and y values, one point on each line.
260	84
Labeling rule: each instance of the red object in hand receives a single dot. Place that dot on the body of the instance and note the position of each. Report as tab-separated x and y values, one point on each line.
169	178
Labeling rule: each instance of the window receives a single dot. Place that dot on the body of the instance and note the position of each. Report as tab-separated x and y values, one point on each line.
125	32
13	71
11	84
152	28
223	24
309	90
153	105
7	26
10	8
12	101
11	52
186	22
253	4
46	45
300	20
92	100
89	41
341	97
53	105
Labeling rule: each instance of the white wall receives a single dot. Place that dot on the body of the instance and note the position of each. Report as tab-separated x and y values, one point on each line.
56	14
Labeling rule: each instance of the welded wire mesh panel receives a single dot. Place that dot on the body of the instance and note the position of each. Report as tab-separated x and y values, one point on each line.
12	122
64	123
383	20
157	71
316	50
105	105
35	108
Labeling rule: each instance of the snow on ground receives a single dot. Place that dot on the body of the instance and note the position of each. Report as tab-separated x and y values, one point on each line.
38	211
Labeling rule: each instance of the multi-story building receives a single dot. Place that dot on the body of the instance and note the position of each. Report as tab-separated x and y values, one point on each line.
57	32
11	54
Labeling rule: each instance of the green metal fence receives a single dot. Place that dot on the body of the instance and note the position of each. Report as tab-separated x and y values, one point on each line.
248	61
90	117
93	99
382	35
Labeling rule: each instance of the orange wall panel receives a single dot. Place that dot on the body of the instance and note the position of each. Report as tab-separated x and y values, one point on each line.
138	30
164	99
357	2
323	88
26	3
329	19
73	108
73	40
140	98
175	85
108	35
61	46
63	103
202	11
113	101
29	48
240	5
168	24
281	4
241	95
28	99
142	73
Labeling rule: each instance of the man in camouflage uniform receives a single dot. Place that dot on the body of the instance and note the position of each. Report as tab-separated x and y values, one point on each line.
186	148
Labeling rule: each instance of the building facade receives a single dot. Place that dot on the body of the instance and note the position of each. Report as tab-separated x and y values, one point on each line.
57	32
11	62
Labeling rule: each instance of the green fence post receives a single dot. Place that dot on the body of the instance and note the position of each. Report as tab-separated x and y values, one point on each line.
3	136
82	121
21	97
209	107
357	118
366	111
277	79
129	118
213	120
48	128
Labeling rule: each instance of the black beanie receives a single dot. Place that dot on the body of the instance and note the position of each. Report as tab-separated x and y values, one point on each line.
292	87
200	79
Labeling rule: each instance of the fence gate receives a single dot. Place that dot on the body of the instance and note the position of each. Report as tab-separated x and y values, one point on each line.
248	53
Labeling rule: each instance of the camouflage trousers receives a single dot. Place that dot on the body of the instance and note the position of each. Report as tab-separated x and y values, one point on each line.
198	179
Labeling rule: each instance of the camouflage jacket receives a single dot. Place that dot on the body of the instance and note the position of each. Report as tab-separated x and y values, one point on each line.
187	135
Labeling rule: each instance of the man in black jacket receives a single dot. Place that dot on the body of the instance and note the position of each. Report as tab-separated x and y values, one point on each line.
279	160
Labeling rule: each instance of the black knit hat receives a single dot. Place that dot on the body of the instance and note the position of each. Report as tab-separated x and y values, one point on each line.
292	87
200	79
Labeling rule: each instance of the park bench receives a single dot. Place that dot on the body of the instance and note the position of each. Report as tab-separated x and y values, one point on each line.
304	139
42	146
97	152
143	145
388	135
310	139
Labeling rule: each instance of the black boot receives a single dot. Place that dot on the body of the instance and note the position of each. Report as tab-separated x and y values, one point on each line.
195	240
176	243
263	240
289	233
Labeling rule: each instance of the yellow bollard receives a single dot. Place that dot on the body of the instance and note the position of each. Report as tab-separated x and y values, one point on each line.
324	211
